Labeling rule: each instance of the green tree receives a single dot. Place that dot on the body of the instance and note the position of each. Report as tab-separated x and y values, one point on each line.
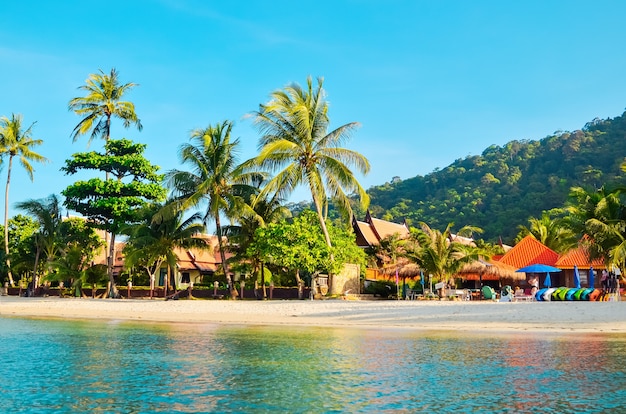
300	246
551	230
16	142
215	179
22	231
153	241
103	101
296	142
265	210
438	255
113	203
47	213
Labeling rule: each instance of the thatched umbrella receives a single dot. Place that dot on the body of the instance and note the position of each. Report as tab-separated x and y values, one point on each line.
481	270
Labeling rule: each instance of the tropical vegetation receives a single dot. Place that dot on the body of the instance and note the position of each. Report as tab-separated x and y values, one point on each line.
563	190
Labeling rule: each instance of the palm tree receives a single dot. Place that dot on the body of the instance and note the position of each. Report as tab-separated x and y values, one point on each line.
16	142
551	231
441	257
47	212
268	209
215	179
295	140
154	241
103	101
601	215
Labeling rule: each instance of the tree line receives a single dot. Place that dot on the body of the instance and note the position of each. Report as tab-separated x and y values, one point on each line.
159	212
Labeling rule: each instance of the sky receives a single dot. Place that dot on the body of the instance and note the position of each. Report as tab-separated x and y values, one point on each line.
429	82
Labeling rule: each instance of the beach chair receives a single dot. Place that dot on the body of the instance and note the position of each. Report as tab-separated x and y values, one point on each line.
489	293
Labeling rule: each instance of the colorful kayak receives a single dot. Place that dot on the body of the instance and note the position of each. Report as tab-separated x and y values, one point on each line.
570	293
547	296
595	295
539	294
586	293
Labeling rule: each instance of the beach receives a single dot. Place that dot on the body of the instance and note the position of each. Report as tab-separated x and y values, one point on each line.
606	317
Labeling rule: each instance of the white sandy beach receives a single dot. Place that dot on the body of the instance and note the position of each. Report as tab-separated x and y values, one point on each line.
608	317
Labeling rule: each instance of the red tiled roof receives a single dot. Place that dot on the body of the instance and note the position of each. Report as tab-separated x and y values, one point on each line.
579	257
530	251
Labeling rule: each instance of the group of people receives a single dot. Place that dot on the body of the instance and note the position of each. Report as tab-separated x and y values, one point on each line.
609	282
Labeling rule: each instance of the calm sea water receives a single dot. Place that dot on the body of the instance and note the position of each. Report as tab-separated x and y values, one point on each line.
121	367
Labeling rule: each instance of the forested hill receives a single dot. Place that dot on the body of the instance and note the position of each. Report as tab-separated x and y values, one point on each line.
500	189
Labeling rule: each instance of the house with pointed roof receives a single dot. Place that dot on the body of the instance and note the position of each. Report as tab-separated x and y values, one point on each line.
531	251
371	231
192	264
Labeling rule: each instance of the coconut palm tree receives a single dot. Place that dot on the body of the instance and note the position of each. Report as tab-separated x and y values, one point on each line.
551	230
268	209
154	241
296	142
16	142
102	102
48	214
215	179
439	255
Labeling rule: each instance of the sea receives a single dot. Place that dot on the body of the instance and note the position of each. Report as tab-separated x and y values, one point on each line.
79	366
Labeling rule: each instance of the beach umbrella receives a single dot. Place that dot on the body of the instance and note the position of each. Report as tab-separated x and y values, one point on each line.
538	268
547	282
422	279
576	277
591	276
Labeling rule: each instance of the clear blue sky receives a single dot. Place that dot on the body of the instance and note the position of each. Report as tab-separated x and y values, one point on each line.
430	81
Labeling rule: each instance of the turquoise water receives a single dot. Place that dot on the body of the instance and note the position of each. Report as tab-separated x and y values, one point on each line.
121	367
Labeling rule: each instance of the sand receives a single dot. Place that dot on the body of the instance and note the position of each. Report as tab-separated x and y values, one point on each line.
608	317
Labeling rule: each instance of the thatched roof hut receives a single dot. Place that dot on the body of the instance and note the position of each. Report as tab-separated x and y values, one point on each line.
494	270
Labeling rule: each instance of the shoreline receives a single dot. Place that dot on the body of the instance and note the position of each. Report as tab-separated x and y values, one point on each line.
556	317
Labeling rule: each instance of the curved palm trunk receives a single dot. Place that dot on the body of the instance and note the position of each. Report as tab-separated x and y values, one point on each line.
6	223
218	229
320	215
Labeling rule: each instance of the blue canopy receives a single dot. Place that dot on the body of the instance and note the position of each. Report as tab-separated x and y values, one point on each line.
576	277
538	268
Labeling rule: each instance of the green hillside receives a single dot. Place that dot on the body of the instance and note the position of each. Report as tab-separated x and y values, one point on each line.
503	187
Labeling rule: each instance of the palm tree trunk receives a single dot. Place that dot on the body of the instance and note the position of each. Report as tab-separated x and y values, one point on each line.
37	252
318	207
218	229
6	223
113	293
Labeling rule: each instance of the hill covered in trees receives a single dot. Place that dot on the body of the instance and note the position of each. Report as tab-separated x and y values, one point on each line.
505	186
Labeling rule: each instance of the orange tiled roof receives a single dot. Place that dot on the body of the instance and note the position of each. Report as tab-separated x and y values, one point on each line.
530	251
579	257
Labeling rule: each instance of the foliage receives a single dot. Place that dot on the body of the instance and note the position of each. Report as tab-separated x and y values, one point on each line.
113	202
215	179
299	245
16	142
154	241
505	186
437	254
552	230
118	201
103	101
295	142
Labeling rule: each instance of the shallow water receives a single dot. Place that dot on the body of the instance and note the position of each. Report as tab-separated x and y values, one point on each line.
128	367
